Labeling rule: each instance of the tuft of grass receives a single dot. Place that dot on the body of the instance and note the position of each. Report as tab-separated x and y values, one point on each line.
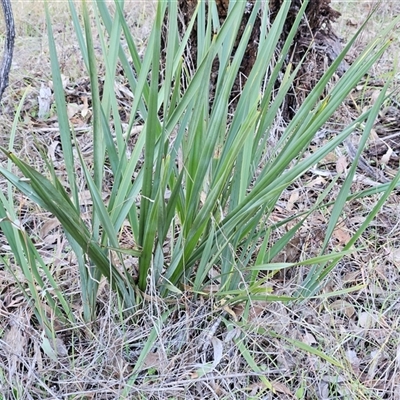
198	191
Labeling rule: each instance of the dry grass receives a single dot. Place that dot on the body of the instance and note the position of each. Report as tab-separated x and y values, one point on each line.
360	330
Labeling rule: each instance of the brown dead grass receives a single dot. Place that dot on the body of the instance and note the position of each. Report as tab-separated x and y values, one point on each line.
361	329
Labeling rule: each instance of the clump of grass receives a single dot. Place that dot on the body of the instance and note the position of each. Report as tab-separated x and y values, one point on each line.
198	190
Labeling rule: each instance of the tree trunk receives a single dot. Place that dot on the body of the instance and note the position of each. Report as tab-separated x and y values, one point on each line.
8	45
315	32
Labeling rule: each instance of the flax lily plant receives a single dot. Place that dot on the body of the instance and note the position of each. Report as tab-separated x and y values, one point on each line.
198	189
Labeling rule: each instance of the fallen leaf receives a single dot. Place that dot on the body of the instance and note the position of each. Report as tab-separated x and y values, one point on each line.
47	348
367	320
341	235
256	310
374	95
319	181
48	226
292	200
386	157
85	108
15	347
154	360
51	150
394	256
201	371
232	334
352	276
341	164
64	80
60	347
309	338
343	306
218	351
281	388
51	239
72	109
351	22
353	358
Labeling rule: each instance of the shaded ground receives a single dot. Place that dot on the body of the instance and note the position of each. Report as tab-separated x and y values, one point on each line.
360	330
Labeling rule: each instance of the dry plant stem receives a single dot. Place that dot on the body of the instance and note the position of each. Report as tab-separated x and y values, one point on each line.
8	46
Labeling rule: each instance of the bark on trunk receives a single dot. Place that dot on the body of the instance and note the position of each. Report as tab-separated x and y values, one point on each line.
8	45
315	32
